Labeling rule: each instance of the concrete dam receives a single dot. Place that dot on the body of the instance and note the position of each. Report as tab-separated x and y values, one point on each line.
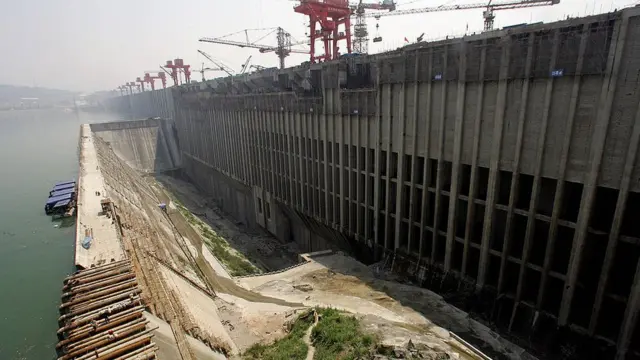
499	170
146	145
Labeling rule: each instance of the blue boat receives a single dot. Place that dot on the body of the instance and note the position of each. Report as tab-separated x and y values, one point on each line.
65	182
61	207
62	192
62	187
52	201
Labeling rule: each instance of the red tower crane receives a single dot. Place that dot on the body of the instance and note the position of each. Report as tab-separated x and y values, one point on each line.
282	49
325	18
176	66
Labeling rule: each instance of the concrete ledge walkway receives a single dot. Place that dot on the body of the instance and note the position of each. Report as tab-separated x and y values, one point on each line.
105	245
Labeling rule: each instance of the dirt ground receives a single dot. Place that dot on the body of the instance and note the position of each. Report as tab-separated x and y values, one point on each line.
395	311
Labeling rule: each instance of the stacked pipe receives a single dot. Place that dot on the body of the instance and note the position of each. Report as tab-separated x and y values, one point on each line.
101	316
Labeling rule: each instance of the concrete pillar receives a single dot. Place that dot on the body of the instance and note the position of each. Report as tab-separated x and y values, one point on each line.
457	149
388	129
440	157
400	125
325	116
471	209
367	217
378	238
496	142
596	151
413	202
533	204
513	191
427	149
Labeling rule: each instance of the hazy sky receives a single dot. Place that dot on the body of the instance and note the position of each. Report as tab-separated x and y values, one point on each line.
88	45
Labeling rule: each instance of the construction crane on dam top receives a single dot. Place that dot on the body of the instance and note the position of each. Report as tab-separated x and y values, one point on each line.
282	49
205	69
245	66
123	90
141	81
151	79
360	30
327	16
488	13
132	85
219	65
177	67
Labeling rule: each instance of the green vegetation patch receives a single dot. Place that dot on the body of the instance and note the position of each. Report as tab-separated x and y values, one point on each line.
336	336
291	347
339	336
234	262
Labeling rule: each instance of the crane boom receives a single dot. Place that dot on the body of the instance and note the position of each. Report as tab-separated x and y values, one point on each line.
219	65
495	6
245	66
261	48
282	50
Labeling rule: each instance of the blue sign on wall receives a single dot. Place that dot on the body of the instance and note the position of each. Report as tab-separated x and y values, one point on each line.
557	73
438	77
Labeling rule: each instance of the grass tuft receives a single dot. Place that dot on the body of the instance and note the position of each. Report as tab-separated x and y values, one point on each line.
339	336
291	347
336	336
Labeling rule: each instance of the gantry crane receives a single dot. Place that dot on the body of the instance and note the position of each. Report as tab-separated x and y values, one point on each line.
176	66
325	19
282	49
131	85
141	81
488	13
148	78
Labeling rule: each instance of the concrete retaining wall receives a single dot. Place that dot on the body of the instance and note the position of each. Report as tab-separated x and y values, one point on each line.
146	145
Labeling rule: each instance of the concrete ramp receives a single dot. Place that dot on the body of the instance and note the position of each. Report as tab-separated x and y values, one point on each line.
146	145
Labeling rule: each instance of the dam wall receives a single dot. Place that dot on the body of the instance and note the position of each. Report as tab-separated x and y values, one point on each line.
499	170
156	103
146	145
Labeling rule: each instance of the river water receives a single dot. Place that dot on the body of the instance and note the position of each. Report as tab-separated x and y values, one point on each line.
37	149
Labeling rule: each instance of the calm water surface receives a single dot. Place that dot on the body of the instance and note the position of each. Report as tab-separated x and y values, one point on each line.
37	149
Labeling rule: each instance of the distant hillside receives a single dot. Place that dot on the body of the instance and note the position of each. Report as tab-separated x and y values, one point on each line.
11	94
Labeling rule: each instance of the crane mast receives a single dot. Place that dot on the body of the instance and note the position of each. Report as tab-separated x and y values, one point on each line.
360	30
